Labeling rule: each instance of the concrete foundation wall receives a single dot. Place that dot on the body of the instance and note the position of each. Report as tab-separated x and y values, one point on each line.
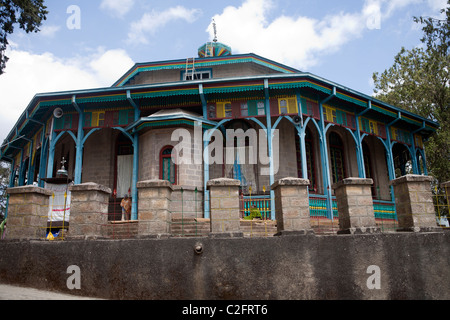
411	266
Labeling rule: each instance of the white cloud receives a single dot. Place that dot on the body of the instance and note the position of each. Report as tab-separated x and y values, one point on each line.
49	31
152	21
27	74
299	41
292	40
117	8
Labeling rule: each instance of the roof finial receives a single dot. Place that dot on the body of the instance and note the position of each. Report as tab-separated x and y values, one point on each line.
215	30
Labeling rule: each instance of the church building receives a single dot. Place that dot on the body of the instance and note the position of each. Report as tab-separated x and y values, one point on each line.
294	124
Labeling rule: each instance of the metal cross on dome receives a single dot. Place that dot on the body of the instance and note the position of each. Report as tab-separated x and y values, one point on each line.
63	161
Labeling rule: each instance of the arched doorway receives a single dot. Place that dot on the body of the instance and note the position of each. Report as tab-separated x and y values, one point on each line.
337	157
123	166
310	159
244	168
402	160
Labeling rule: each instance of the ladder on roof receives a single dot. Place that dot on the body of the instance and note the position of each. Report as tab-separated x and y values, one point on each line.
190	68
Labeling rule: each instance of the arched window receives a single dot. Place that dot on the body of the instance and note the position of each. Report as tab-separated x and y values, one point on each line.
337	161
167	168
310	164
402	159
368	168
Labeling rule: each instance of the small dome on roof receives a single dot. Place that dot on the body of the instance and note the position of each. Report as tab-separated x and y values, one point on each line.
214	49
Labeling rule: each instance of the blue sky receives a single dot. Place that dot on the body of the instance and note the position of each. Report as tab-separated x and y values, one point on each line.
342	41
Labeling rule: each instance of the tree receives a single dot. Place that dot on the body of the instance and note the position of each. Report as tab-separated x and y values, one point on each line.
4	182
419	81
27	13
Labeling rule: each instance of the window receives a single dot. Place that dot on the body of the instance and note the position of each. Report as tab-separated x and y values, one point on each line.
197	75
101	119
67	122
228	110
167	168
115	117
261	108
224	110
288	105
351	122
334	115
336	157
283	106
87	119
97	119
212	111
130	116
244	109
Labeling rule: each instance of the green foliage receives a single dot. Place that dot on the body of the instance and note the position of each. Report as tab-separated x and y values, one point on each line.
27	13
419	81
4	179
254	214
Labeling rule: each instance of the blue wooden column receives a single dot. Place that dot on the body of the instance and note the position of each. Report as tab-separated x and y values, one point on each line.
414	150
43	164
269	146
206	207
43	157
51	152
30	162
43	153
389	155
79	143
324	156
359	149
135	176
301	131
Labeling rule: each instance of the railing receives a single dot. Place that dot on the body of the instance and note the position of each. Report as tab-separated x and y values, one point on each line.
384	210
318	207
260	202
320	220
385	215
442	207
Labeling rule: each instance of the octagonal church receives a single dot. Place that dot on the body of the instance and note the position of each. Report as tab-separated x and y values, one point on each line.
168	119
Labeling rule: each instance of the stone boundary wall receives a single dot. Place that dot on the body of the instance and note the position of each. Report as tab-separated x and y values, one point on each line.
27	212
414	203
369	266
89	211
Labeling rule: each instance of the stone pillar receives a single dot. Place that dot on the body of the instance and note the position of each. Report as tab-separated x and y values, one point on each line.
27	212
414	203
88	211
224	206
355	206
292	206
154	213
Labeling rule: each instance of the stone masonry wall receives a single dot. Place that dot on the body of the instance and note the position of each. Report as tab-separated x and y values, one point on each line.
411	266
27	212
